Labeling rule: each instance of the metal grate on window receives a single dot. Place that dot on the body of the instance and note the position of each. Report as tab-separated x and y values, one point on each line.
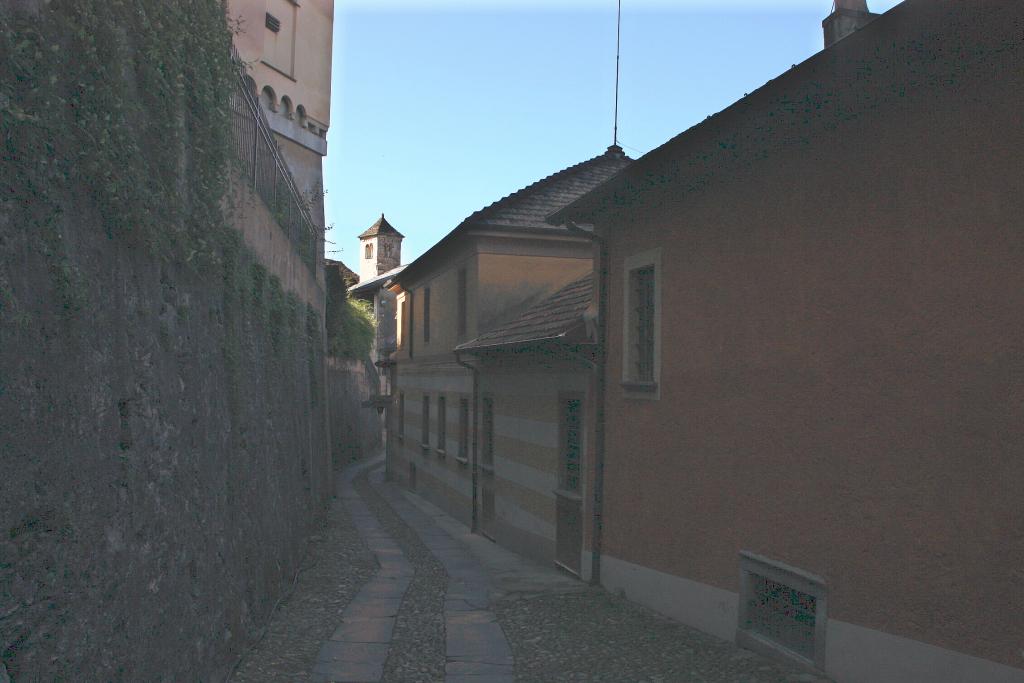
571	455
782	614
642	288
273	23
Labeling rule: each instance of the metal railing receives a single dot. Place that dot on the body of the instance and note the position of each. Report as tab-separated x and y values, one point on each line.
265	168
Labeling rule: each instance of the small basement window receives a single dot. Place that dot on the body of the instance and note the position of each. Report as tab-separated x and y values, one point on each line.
782	611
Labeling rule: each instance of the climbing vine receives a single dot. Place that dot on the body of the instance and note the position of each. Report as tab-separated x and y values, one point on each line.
123	104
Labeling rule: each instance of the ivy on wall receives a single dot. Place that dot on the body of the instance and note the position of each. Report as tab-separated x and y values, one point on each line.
350	328
349	322
127	102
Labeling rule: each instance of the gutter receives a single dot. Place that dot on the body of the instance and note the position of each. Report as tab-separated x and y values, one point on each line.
600	365
475	469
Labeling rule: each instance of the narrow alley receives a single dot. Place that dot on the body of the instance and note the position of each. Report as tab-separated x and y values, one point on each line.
395	590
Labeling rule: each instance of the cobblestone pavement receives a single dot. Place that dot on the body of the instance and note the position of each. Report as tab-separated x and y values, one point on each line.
338	564
417	651
597	636
440	604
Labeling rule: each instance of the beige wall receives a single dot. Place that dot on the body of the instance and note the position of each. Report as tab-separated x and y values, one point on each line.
441	477
274	248
509	283
842	315
527	449
499	287
303	74
503	275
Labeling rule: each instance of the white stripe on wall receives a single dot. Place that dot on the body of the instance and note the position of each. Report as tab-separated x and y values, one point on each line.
526	476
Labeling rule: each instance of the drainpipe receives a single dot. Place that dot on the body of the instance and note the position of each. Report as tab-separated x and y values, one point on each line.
474	469
600	364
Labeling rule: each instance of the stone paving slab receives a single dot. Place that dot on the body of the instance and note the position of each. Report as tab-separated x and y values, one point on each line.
347	672
459	668
368	630
359	647
475	645
367	609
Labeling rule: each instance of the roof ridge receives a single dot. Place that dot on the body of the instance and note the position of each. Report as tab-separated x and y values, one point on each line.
479	213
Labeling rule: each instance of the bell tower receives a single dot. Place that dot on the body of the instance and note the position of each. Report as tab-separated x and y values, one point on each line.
380	249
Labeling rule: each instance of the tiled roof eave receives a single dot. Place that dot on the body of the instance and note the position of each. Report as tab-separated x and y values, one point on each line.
561	339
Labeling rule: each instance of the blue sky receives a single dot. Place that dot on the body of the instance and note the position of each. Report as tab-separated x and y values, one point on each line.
442	107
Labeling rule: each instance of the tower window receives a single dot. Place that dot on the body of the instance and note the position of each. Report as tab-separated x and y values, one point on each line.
369	251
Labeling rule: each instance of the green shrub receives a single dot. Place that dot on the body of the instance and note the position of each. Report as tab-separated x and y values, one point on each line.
350	328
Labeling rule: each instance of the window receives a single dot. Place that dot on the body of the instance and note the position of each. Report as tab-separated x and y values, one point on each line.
641	284
412	311
462	304
487	427
273	23
641	333
401	416
782	611
426	315
425	436
464	429
572	442
269	98
442	427
369	251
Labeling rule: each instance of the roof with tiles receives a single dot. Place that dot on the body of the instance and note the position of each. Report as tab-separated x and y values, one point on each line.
381	227
375	283
555	318
530	206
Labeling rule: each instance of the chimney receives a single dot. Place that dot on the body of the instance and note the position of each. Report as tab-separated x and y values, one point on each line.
847	16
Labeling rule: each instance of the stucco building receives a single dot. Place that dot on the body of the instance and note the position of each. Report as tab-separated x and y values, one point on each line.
535	380
287	47
450	437
815	360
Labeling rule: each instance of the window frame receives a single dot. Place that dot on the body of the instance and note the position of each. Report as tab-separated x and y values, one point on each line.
752	565
425	423
633	386
412	321
442	426
563	437
464	418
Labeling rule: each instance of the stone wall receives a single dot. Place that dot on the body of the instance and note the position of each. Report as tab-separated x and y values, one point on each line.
355	429
162	450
